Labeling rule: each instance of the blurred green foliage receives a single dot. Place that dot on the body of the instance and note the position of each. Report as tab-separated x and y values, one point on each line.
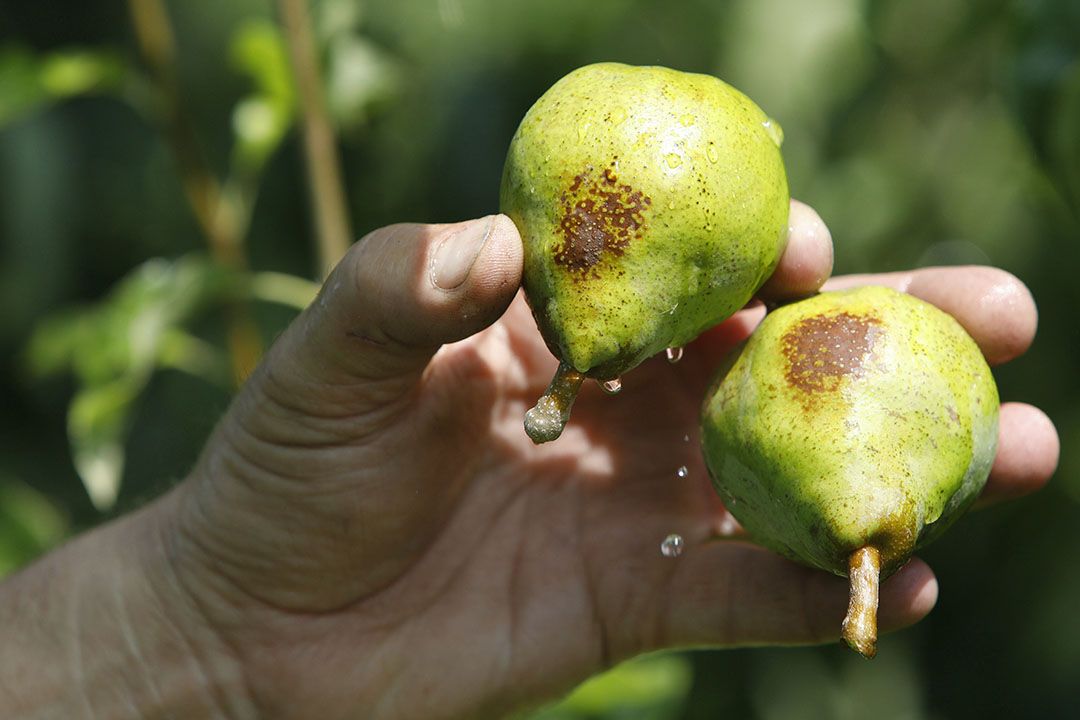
654	687
30	81
29	524
113	347
924	131
261	119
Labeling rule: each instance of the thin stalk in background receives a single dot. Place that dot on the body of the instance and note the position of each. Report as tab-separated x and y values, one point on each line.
218	217
320	146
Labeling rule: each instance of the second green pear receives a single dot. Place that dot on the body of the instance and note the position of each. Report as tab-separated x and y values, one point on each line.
851	429
652	204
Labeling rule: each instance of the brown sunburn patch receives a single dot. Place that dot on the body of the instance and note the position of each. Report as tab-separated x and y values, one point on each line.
600	216
824	349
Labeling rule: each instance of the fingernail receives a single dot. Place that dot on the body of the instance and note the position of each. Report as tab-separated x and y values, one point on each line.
456	254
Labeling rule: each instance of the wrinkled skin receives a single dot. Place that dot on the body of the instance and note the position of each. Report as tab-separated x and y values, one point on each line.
370	534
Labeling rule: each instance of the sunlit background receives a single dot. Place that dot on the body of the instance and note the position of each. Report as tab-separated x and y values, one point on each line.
925	132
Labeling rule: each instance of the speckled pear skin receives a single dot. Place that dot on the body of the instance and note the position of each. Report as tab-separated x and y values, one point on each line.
652	204
856	418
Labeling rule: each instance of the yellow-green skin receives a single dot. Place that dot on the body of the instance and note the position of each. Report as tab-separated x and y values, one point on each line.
854	418
652	204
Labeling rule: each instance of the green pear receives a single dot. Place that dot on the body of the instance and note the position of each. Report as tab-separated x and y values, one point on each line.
851	429
652	204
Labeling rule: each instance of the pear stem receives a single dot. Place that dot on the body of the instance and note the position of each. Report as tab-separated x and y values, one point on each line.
860	624
546	420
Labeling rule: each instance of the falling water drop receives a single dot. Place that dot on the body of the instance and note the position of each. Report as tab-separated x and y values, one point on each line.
682	471
611	387
674	354
672	546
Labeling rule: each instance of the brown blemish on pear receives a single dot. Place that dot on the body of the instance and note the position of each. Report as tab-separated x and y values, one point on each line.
822	350
854	427
600	216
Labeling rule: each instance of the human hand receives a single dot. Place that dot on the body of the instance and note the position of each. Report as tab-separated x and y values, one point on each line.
371	534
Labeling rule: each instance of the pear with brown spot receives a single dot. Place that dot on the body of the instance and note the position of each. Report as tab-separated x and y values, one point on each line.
652	204
851	429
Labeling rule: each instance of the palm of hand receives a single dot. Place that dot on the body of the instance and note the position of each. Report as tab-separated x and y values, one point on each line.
541	563
373	534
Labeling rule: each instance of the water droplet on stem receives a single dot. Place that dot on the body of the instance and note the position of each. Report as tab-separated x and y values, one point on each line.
611	387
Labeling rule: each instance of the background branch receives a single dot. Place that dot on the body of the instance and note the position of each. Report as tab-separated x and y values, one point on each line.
217	216
320	148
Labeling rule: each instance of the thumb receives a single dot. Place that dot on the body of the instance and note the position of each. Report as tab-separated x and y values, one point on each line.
398	295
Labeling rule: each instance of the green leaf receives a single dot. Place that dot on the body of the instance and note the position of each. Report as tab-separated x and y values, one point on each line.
360	77
98	421
159	295
261	120
76	72
336	17
258	50
29	81
654	687
125	333
57	340
259	127
183	351
30	524
114	347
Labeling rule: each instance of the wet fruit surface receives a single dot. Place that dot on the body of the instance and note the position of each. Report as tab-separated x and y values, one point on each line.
652	205
852	420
